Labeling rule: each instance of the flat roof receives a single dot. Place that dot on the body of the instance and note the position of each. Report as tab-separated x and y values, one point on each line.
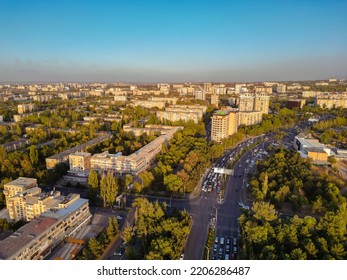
82	154
221	113
311	143
61	213
25	235
22	182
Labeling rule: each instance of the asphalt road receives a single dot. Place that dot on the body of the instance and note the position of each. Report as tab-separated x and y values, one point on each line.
204	208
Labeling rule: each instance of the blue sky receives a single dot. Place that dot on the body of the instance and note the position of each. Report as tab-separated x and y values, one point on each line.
173	40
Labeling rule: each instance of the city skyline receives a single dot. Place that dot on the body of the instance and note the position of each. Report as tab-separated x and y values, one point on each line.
161	41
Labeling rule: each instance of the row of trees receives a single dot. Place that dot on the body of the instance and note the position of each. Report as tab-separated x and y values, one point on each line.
105	187
267	235
329	131
158	234
96	246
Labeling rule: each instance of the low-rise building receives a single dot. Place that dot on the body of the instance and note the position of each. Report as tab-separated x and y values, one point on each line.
15	145
295	103
307	146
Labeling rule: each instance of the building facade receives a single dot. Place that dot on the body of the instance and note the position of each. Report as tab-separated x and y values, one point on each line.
36	239
25	108
224	124
134	163
19	185
79	161
250	118
215	99
182	112
331	101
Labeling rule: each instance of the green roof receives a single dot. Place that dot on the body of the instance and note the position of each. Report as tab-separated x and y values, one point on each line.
221	112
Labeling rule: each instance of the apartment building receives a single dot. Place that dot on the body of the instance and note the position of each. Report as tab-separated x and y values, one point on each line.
182	112
246	102
149	129
19	185
254	102
224	124
15	145
207	87
259	89
167	100
25	108
148	103
310	93
63	156
42	98
250	118
134	163
152	102
36	239
121	98
79	161
331	101
262	102
281	88
200	95
214	99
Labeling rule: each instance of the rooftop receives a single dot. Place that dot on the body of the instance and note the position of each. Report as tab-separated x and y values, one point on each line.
22	182
82	154
24	236
221	113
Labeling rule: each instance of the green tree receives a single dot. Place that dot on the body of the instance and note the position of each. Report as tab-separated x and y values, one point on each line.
112	228
34	155
108	189
93	186
264	211
95	247
173	183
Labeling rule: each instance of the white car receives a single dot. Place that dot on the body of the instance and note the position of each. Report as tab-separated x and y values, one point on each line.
119	217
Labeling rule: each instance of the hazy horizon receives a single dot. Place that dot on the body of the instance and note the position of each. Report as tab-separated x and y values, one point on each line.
180	41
